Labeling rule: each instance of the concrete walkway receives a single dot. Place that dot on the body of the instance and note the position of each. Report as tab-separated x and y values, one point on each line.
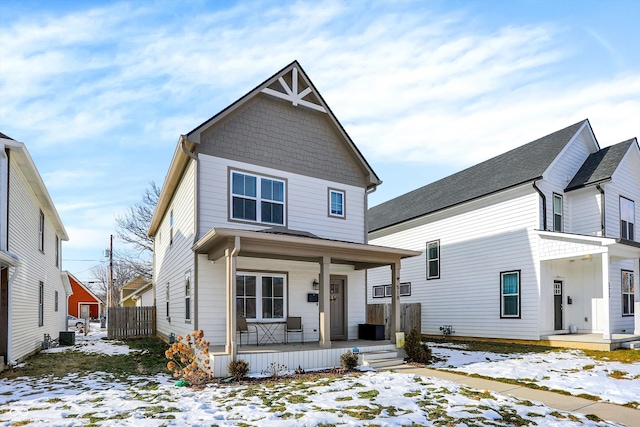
606	411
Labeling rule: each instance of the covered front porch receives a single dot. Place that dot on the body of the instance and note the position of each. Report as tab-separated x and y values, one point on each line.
299	258
587	290
592	341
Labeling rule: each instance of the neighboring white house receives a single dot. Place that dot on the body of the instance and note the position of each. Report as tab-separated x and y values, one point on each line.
261	201
539	241
33	293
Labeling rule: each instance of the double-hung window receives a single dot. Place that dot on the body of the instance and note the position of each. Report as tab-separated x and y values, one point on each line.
171	227
627	218
168	300
510	294
41	304
433	260
257	199
41	232
261	296
557	212
336	203
628	289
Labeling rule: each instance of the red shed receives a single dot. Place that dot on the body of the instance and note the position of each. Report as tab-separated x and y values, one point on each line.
83	303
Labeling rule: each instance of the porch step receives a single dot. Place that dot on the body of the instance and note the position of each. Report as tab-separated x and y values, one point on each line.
633	345
379	359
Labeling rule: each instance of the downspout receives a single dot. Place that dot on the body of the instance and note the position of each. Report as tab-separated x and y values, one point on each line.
544	206
603	224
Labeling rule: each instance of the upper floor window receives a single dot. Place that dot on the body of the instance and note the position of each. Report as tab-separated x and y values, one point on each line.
171	227
628	289
433	260
257	199
510	294
627	218
41	232
261	296
57	252
336	203
557	212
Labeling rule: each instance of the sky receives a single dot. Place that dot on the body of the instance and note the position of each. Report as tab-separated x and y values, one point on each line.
390	398
100	91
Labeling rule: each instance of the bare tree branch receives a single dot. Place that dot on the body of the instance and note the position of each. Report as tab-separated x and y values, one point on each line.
122	274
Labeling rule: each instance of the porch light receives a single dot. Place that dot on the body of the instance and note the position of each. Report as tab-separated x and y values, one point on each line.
586	257
315	284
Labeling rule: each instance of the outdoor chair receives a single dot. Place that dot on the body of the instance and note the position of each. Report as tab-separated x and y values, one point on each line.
294	324
243	328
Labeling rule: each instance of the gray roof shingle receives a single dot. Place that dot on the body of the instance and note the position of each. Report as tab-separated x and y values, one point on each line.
600	165
518	166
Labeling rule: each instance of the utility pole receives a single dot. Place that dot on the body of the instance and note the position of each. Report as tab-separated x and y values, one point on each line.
111	270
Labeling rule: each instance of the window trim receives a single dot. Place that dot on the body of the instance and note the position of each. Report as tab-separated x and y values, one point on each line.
343	193
41	232
630	226
55	301
630	295
437	243
187	296
168	300
518	294
57	251
560	214
387	290
171	221
258	198
259	275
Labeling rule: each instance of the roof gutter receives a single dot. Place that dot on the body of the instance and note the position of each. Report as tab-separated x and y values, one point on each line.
544	205
603	224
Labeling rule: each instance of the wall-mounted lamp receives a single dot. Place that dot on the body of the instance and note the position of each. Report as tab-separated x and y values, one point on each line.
569	300
315	284
586	257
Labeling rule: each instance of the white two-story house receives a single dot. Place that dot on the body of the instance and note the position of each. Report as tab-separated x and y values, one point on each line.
534	243
262	218
33	289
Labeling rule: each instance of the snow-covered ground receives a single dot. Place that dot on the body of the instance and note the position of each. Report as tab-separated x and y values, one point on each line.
568	370
384	398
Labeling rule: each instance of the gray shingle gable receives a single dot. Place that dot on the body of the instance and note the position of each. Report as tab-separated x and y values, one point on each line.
600	165
520	165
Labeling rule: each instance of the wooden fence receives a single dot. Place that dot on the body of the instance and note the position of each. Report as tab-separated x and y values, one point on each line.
410	317
131	322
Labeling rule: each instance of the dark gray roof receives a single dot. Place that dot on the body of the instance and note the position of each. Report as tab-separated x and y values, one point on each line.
600	165
2	135
518	166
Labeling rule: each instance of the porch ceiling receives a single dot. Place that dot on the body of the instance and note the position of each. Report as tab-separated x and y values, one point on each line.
297	247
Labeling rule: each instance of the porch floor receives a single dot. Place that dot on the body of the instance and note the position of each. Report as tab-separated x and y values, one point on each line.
296	346
588	341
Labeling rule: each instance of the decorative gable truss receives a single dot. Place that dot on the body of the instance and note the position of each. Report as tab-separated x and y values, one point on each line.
296	90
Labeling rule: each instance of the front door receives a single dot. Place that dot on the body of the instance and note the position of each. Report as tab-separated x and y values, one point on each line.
84	311
557	305
337	301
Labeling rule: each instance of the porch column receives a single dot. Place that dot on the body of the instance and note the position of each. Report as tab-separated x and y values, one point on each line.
230	256
324	304
636	295
395	300
606	300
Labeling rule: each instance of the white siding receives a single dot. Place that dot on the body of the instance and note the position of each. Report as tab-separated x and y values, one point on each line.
35	267
625	182
306	204
585	212
173	260
477	242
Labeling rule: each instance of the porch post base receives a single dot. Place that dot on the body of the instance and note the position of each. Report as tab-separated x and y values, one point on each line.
326	344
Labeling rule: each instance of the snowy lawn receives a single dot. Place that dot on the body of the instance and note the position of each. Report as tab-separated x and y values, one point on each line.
570	371
385	398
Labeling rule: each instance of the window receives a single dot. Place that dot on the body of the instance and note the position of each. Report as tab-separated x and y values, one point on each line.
433	260
510	294
187	296
260	296
628	289
167	299
257	203
557	212
41	232
383	291
55	301
171	227
627	218
336	203
41	305
57	250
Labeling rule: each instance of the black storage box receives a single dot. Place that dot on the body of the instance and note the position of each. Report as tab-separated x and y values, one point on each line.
370	332
67	338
